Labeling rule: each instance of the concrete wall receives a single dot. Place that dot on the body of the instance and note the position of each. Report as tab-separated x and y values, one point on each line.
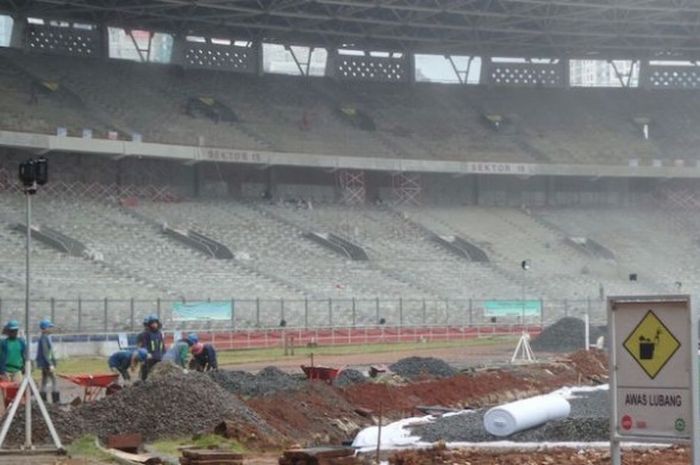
224	180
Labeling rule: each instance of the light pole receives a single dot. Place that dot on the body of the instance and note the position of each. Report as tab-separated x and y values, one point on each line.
32	174
523	350
525	266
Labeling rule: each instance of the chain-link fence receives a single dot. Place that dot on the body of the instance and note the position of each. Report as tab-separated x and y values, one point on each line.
108	315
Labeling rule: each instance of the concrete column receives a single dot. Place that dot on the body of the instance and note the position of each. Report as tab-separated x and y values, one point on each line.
331	63
485	76
235	185
271	181
411	67
549	190
18	37
196	180
103	34
257	50
565	73
476	190
644	74
179	51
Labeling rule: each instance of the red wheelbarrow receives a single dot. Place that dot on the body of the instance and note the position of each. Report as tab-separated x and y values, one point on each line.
9	391
321	373
93	384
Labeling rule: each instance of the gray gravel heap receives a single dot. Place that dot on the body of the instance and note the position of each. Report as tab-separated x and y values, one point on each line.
268	381
421	367
348	377
173	404
587	422
566	335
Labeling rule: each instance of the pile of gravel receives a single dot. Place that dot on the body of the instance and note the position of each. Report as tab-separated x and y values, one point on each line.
170	405
588	421
268	381
566	335
348	377
421	367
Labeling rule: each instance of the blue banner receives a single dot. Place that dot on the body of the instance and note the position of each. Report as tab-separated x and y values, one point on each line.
512	308
198	311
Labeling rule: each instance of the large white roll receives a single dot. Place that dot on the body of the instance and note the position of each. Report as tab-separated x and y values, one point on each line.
507	419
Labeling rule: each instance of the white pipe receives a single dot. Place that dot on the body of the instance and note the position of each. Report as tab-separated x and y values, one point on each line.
508	419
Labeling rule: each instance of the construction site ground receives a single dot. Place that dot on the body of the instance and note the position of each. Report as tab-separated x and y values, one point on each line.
316	413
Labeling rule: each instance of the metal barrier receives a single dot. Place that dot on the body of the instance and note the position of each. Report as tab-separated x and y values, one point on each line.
104	343
111	315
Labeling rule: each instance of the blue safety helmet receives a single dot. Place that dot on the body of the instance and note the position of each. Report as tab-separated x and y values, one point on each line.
145	319
192	338
151	318
45	324
142	354
12	325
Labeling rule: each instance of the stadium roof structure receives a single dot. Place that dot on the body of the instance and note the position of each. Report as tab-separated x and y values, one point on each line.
605	29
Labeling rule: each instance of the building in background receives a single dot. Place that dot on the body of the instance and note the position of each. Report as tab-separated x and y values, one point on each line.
135	45
5	30
601	73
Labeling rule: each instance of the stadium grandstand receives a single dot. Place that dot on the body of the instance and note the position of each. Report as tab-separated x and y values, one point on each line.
348	162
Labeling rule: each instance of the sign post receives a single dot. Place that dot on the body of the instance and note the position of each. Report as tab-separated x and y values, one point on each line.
653	372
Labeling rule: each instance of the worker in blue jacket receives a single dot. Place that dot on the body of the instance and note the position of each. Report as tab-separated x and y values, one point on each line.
154	343
125	360
46	362
12	351
180	350
203	357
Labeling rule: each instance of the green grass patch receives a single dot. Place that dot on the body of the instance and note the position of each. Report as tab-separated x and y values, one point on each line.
85	447
171	447
244	356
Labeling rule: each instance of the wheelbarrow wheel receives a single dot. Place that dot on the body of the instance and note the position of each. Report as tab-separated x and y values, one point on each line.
113	389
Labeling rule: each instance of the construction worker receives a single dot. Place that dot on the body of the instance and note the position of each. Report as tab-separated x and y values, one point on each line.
203	357
12	350
46	361
154	343
179	351
124	360
141	335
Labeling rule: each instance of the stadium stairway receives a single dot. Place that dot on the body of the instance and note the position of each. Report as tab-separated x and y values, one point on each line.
637	237
505	248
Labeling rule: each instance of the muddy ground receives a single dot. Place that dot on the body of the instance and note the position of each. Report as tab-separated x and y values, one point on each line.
439	456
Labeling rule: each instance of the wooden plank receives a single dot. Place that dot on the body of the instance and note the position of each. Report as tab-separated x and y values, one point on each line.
349	460
210	454
191	461
125	442
317	453
145	459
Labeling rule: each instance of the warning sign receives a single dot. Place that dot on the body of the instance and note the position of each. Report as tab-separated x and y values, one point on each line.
651	367
651	344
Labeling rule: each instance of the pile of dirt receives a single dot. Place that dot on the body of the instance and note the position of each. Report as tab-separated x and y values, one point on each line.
422	367
670	456
314	415
474	390
566	335
348	377
592	364
171	404
269	380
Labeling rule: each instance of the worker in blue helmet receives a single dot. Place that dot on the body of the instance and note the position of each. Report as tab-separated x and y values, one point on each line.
46	362
179	351
203	357
12	351
124	361
142	334
154	343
